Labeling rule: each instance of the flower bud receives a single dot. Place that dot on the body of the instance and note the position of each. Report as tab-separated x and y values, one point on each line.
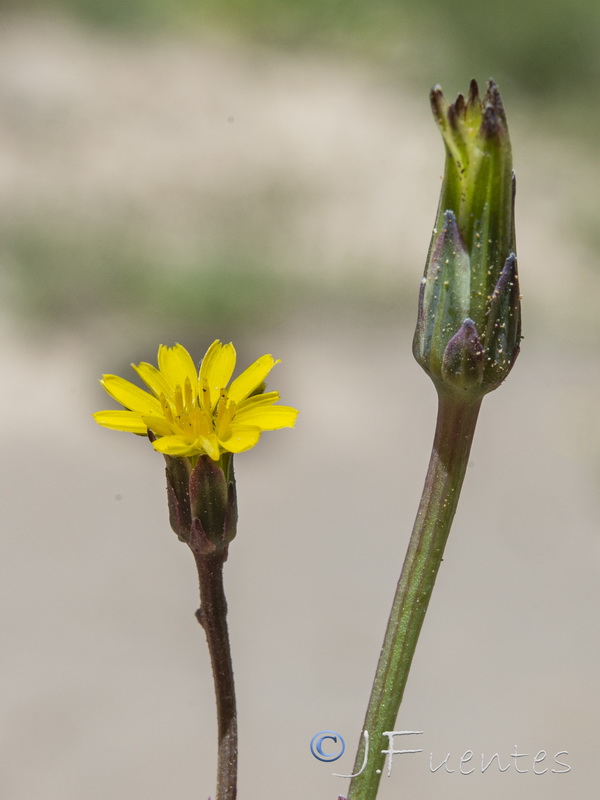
469	321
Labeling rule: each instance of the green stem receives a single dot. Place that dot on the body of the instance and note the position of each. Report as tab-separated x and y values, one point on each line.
455	427
212	615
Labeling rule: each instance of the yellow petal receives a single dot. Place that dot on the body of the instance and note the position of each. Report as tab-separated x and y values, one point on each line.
210	445
176	446
153	379
158	425
217	367
250	378
130	395
128	421
240	440
176	365
266	399
183	447
267	418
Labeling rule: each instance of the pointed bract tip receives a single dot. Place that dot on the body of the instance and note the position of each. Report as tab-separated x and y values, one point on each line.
491	88
459	104
510	267
448	238
492	97
438	101
462	365
473	98
490	124
449	217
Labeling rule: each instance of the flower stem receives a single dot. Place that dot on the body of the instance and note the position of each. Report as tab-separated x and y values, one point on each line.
455	427
212	615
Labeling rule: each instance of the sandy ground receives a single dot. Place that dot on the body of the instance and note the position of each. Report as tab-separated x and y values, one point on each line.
106	687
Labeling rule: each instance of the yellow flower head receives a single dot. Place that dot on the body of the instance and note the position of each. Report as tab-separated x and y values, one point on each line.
194	412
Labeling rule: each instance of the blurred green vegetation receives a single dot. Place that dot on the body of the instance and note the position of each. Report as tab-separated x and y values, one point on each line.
66	274
548	50
66	277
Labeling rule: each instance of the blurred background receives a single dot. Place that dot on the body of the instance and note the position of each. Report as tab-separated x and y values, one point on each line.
268	173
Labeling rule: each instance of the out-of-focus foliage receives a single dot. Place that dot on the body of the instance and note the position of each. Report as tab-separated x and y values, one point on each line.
64	275
539	47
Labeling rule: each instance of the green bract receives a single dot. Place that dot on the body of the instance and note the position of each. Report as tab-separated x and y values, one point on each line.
202	502
469	324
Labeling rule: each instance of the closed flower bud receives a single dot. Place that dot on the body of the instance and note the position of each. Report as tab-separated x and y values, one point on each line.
469	322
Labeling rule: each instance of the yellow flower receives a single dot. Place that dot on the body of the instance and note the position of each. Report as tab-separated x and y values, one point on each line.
194	412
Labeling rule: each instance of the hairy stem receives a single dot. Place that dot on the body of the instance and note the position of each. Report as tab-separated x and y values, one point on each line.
455	427
212	615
